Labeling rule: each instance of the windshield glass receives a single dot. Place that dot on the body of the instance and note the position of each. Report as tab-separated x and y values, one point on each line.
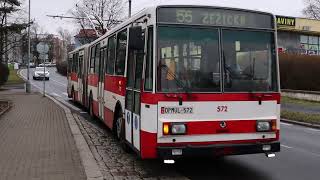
249	61
188	59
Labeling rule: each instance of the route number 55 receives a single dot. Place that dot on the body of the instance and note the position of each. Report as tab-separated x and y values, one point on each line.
184	16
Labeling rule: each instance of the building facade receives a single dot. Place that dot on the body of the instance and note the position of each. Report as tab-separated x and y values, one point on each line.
298	35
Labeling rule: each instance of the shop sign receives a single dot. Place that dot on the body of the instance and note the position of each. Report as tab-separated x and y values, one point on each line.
286	21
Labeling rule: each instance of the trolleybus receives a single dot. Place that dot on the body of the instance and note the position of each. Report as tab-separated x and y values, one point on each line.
180	81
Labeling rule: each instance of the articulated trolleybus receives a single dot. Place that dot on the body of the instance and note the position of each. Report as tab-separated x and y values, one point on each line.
181	81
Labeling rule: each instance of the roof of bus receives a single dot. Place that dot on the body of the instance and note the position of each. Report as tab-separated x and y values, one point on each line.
150	10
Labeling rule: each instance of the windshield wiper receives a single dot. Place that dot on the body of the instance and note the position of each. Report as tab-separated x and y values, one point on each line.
178	82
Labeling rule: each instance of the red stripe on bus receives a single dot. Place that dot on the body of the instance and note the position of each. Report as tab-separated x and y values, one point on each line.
214	127
108	117
115	84
148	146
93	80
74	77
149	98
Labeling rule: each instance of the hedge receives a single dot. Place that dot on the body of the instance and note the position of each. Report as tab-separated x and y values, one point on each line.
300	72
4	73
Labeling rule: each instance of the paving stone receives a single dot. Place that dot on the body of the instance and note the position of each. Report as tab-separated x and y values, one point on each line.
117	163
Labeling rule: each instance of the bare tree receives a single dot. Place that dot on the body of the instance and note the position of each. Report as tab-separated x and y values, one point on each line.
312	9
102	14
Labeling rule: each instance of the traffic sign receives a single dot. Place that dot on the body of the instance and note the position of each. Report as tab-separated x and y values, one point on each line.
42	48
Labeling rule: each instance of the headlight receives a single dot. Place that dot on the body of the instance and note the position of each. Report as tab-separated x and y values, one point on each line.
178	129
263	126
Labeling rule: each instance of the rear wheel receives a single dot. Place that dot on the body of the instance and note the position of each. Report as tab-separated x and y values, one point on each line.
91	107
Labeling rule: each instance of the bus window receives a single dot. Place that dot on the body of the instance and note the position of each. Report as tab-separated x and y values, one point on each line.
149	62
121	52
97	59
92	58
111	54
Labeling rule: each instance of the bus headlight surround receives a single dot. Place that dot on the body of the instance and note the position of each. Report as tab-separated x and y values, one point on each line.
178	129
263	126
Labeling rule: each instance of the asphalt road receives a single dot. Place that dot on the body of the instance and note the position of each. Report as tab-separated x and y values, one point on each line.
299	158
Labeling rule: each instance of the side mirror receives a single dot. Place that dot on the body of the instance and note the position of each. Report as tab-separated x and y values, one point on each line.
136	41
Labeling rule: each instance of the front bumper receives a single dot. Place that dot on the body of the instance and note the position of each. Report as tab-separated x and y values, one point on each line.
217	150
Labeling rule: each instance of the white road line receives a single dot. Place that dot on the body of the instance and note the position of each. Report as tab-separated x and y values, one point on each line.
314	130
286	124
66	94
55	94
286	146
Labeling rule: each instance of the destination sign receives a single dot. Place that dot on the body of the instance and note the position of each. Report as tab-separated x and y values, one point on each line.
215	17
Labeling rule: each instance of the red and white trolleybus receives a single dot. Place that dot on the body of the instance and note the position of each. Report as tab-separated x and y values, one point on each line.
179	81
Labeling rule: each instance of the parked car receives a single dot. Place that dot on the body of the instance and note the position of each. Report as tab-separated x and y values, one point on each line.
32	65
41	73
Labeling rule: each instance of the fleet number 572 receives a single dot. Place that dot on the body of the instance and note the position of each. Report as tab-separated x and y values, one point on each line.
222	108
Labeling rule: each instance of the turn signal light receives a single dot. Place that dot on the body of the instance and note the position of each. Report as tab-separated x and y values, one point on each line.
273	125
166	129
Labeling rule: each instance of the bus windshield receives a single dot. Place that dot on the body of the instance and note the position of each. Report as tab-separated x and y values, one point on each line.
192	56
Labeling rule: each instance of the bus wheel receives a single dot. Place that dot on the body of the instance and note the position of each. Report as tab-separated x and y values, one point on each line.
91	107
120	133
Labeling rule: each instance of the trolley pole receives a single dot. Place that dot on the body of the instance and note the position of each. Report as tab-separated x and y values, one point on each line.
129	8
28	85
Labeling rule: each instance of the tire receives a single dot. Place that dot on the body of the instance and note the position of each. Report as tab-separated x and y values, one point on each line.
91	107
120	132
34	78
47	79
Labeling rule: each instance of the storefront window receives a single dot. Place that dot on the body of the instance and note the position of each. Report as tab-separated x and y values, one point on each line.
304	39
309	44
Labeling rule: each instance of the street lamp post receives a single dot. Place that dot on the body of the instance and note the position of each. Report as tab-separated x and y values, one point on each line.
28	85
129	8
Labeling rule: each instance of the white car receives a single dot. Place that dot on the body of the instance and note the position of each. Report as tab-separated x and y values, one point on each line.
41	73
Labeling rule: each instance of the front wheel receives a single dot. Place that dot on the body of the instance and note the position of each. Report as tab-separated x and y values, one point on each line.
120	133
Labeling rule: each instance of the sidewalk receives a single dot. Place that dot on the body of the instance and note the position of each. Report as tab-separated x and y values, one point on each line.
36	142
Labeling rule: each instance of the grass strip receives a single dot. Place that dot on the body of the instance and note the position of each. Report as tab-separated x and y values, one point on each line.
13	77
300	116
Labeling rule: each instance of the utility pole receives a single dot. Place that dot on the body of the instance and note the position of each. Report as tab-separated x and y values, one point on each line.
129	8
28	86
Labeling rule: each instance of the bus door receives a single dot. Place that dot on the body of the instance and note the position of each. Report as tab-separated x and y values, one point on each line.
101	77
133	103
80	79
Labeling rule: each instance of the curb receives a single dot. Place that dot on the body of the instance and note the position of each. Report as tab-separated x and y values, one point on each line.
5	109
89	163
317	126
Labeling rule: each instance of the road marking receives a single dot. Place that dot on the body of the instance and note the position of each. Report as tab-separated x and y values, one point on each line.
55	94
314	130
286	146
286	124
66	94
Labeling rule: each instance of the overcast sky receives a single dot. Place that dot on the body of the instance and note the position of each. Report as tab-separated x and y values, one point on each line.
41	8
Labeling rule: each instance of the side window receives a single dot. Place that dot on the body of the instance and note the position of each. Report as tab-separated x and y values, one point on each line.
111	54
92	57
69	65
74	63
149	62
97	59
80	65
121	52
139	67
